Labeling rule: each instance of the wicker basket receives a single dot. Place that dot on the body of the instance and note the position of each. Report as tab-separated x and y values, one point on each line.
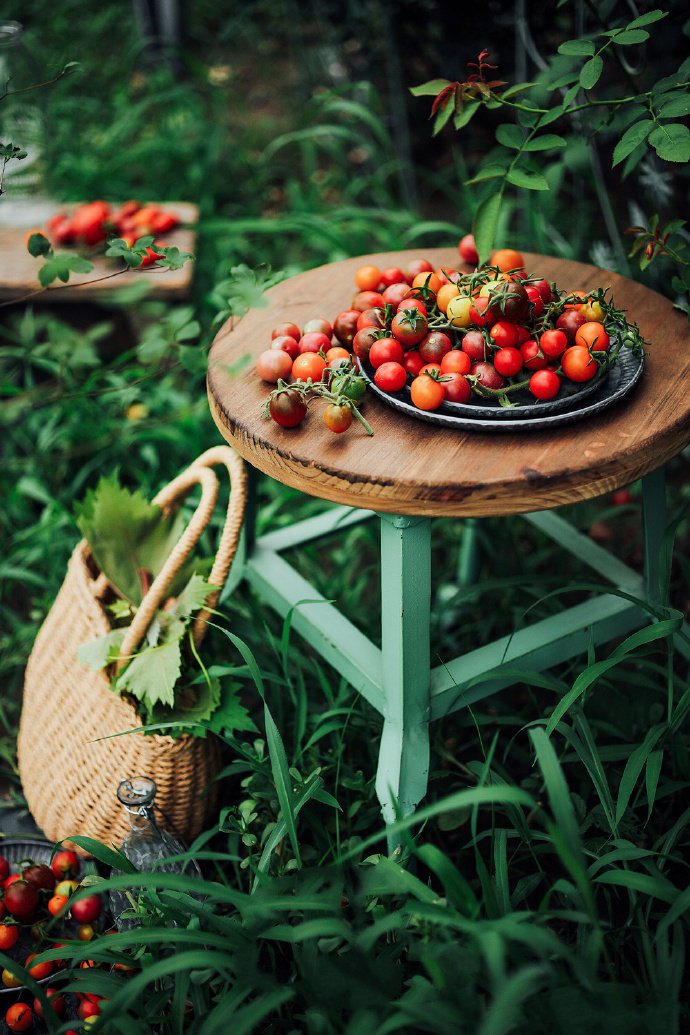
69	772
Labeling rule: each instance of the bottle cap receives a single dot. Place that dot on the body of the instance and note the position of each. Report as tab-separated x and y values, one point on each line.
136	792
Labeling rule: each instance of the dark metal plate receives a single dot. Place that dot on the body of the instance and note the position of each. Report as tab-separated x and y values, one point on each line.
583	401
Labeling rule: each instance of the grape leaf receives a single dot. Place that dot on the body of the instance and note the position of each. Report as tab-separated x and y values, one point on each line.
127	535
152	674
101	652
194	703
192	597
230	716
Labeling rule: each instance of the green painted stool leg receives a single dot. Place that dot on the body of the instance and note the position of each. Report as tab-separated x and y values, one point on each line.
469	557
403	767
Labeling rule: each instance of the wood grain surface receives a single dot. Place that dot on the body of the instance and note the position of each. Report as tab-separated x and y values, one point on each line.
19	270
410	467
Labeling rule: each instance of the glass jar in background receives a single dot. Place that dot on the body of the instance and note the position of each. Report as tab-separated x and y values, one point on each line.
147	845
22	124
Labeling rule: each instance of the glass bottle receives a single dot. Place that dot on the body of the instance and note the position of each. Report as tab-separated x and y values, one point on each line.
146	845
22	125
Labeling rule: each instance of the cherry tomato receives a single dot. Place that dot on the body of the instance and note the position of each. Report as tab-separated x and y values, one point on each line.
394	293
56	1000
367	300
308	365
337	418
459	311
409	326
468	250
372	318
593	336
536	301
413	362
456	387
4	868
504	334
592	310
10	980
482	312
474	344
575	305
386	350
87	1008
368	278
392	275
21	899
9	936
429	281
273	365
544	384
418	266
426	393
19	1017
448	276
446	293
363	340
39	970
57	904
532	357
86	932
412	302
391	377
544	289
507	259
578	365
351	387
289	329
508	361
553	343
487	375
336	354
314	341
455	362
10	880
513	302
570	322
287	408
345	326
286	343
3	911
434	346
432	368
65	864
66	887
319	324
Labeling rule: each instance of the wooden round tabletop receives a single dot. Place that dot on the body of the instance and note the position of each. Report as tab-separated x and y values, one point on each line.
414	468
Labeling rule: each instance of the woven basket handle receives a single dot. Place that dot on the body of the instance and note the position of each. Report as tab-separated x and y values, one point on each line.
198	473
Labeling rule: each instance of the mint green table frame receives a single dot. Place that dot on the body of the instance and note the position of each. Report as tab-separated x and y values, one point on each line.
398	679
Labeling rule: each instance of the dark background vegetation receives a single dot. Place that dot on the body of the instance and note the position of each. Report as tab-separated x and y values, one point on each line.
292	126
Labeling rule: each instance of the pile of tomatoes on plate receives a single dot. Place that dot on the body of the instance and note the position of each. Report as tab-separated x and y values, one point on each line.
90	224
497	333
37	912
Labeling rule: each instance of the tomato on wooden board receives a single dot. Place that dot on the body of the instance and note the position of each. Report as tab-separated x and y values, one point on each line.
426	393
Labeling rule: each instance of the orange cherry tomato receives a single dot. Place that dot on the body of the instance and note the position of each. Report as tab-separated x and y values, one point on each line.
368	278
578	365
507	259
593	336
427	394
308	365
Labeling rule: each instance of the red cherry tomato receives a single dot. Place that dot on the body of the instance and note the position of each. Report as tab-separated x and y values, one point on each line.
544	384
578	365
593	336
474	344
286	343
456	387
391	377
394	294
9	936
362	342
409	326
287	408
413	362
65	864
456	362
508	361
367	300
314	341
19	1017
290	329
468	250
487	375
273	365
504	334
345	326
532	357
386	350
553	343
318	324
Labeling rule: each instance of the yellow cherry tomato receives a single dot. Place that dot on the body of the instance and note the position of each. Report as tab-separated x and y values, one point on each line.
458	311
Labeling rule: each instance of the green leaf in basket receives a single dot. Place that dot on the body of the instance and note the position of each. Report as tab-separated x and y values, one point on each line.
129	537
152	673
230	716
192	598
101	652
194	703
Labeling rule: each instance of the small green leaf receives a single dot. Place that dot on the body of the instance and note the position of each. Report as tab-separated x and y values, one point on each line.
442	116
631	139
577	48
462	117
647	19
489	172
485	224
671	142
591	72
60	266
510	135
629	37
675	107
430	89
38	244
526	180
546	142
172	257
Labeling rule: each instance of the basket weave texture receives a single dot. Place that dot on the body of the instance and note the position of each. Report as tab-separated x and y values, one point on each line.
69	773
